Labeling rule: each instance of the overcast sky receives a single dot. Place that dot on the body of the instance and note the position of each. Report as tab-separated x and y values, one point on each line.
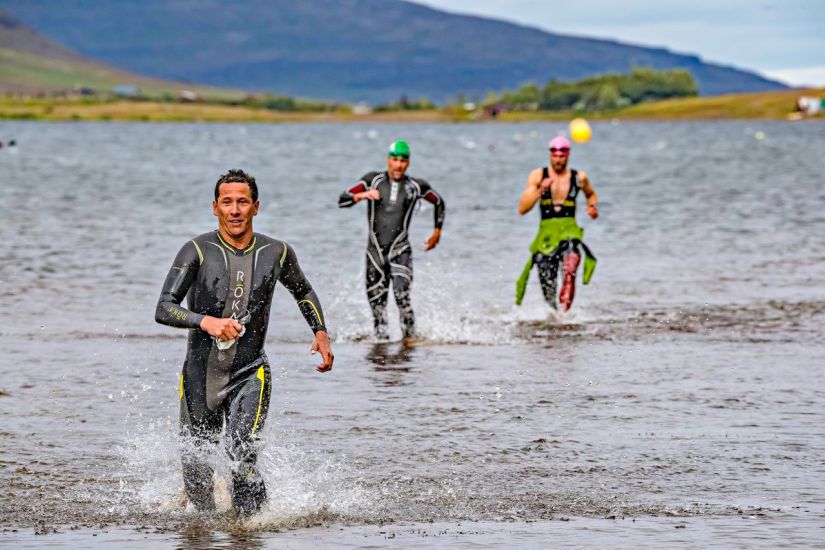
783	39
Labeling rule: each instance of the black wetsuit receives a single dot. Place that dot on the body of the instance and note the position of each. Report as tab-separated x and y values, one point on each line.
548	266
232	384
389	254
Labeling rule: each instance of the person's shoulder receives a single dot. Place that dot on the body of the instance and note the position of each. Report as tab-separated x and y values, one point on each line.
536	174
277	246
263	240
370	176
422	184
209	236
580	174
194	250
267	246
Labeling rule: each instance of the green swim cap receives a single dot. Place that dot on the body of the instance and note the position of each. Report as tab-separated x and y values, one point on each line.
399	149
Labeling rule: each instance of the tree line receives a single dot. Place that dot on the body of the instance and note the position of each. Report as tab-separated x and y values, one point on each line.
603	92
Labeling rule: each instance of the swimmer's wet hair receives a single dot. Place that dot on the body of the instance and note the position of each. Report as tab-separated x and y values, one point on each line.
237	176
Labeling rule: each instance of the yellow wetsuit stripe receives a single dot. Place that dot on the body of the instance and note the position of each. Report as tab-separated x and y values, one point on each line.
261	377
315	309
223	242
251	246
283	256
200	253
180	389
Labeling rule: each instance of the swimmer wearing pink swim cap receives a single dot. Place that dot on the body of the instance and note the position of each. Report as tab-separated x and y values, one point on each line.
560	143
559	240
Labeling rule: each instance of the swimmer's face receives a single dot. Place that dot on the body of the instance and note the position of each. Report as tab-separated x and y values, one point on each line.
397	167
235	209
558	158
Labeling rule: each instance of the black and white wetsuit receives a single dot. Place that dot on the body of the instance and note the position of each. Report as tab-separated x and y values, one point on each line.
232	384
389	254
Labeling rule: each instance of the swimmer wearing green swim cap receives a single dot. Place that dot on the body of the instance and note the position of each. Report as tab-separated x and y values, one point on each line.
391	197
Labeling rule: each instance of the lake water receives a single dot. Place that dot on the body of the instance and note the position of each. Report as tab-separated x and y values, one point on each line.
680	402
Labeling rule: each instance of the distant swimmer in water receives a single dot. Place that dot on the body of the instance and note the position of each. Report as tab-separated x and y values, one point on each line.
391	197
559	239
228	277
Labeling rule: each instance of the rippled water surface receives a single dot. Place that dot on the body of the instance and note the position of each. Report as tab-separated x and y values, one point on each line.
681	401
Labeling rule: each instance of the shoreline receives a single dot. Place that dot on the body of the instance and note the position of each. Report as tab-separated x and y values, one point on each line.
758	106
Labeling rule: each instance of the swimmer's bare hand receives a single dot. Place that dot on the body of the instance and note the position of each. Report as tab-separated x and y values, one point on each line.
371	195
222	329
321	345
545	184
432	241
592	211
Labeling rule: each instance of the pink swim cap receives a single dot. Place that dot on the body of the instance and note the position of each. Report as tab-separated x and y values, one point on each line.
559	142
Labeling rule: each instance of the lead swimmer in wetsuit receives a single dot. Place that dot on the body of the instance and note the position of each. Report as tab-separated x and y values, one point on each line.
228	277
559	239
392	196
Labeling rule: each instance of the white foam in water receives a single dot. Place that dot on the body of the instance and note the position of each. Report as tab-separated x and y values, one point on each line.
152	473
485	319
302	485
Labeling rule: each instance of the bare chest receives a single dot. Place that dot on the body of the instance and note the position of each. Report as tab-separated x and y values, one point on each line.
556	187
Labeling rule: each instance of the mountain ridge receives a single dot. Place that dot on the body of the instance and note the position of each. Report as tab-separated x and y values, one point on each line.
373	50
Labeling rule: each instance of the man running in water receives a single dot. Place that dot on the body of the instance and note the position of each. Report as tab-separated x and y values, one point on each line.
228	277
391	197
559	239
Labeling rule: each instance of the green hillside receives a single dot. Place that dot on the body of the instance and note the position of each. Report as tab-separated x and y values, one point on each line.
31	64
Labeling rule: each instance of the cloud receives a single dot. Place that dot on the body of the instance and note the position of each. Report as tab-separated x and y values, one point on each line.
802	77
765	35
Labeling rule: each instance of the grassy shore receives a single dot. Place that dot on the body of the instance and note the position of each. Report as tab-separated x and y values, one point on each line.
757	106
158	111
768	105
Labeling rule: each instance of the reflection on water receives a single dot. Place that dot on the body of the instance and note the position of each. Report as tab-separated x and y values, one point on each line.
198	534
385	354
389	361
684	382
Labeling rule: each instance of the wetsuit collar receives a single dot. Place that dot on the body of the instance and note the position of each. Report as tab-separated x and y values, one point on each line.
237	251
389	177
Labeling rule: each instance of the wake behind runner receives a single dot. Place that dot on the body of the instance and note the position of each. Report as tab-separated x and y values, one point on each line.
558	243
391	198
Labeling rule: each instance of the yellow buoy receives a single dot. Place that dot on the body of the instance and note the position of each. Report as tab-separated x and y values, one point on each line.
580	130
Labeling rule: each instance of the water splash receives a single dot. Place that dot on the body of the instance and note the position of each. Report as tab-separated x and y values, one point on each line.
305	487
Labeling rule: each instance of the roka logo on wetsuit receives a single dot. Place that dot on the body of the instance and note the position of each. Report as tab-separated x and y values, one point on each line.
238	293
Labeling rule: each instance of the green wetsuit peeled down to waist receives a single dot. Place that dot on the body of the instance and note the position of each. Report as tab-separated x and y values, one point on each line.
554	236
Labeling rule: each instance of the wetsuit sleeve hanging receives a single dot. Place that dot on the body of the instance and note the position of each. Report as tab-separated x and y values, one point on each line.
296	282
178	280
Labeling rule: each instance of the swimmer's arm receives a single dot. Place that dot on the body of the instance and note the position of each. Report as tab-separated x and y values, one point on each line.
359	192
348	198
531	193
590	193
297	284
431	195
294	280
178	280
